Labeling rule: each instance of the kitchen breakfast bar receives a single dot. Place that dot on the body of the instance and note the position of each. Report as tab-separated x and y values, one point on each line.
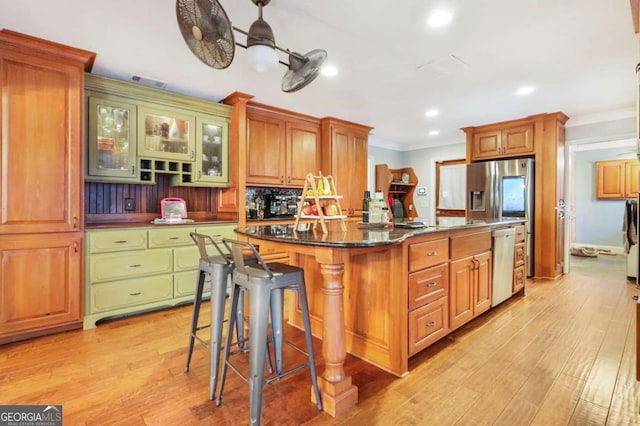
385	293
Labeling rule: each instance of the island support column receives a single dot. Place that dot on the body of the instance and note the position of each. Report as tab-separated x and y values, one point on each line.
337	392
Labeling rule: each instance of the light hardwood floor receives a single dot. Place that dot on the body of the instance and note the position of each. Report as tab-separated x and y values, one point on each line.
563	354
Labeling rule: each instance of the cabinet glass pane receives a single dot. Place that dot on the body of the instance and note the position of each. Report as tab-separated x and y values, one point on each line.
212	154
166	134
112	138
112	144
212	150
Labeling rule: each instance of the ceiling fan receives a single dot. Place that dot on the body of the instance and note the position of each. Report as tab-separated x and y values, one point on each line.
208	32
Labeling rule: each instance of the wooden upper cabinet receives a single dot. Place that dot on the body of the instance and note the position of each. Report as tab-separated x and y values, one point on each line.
498	143
345	158
617	179
303	151
281	149
266	154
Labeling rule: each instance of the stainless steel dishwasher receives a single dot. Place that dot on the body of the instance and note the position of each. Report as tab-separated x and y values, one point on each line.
503	251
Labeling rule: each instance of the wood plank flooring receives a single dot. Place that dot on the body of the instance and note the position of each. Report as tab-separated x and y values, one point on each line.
564	354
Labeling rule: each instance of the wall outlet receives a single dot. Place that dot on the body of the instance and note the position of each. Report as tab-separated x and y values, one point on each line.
128	204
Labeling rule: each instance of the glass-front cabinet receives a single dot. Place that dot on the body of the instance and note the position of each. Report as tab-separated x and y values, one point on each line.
166	134
136	133
112	137
212	157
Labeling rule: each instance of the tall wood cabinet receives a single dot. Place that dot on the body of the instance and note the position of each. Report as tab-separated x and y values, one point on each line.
541	137
41	230
345	158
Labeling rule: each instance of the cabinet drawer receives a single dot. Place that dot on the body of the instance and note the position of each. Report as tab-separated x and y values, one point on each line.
116	266
218	232
121	294
271	253
429	253
106	241
521	234
519	279
519	255
170	237
428	285
184	284
428	324
470	244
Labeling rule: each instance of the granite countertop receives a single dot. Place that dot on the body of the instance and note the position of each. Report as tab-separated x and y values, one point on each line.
360	235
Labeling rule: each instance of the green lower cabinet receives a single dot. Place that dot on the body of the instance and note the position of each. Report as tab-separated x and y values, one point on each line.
135	270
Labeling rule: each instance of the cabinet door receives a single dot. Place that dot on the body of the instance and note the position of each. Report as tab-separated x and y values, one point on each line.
349	168
610	175
212	150
40	280
112	137
461	298
166	134
486	144
482	290
632	170
303	151
266	151
40	165
517	140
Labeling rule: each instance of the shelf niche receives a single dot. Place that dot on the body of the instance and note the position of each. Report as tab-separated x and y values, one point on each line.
392	184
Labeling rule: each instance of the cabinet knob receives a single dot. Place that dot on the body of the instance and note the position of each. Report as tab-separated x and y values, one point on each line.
431	324
281	179
432	284
432	253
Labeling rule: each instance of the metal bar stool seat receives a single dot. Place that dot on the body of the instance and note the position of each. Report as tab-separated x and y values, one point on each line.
265	283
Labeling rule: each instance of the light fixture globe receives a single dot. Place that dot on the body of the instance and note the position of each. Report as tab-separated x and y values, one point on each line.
262	58
261	44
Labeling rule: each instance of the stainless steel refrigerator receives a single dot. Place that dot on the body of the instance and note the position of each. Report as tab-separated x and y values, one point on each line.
503	189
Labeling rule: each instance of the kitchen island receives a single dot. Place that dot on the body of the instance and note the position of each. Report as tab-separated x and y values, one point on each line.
384	294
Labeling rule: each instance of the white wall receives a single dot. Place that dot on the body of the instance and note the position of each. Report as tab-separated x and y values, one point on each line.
423	162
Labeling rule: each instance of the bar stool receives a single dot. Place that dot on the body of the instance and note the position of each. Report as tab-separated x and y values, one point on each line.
265	284
218	267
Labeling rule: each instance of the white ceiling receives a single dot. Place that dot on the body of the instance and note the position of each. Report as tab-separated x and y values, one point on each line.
579	54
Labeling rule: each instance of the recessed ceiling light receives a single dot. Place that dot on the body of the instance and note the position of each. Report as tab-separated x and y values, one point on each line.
439	18
432	112
525	90
329	70
434	132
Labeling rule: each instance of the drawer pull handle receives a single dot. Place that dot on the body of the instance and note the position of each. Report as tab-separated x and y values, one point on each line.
431	324
120	241
136	265
432	284
174	238
137	293
432	253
